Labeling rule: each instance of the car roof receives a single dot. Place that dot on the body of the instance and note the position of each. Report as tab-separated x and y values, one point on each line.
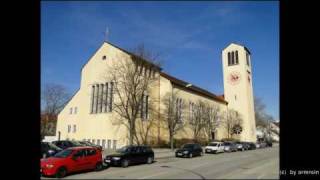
81	147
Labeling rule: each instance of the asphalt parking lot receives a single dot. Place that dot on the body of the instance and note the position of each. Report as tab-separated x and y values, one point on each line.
252	164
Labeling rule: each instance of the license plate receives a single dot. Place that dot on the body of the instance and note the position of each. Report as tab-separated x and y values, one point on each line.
179	154
107	161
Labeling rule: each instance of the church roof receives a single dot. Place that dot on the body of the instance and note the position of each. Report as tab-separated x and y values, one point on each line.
239	45
193	88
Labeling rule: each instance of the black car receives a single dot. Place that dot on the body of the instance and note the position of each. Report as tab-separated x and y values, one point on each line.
87	143
66	144
48	149
189	150
129	155
252	146
246	145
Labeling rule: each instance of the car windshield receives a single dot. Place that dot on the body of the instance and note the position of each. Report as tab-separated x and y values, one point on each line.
76	143
53	146
63	154
213	144
123	149
187	146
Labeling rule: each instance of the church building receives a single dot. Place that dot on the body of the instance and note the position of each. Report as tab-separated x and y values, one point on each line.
89	114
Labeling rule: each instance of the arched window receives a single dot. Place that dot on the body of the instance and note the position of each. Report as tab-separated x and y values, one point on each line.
229	59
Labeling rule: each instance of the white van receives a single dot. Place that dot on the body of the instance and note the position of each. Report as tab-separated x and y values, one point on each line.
214	147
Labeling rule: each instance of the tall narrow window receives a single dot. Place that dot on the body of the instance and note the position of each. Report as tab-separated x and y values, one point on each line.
237	60
147	106
100	98
74	128
109	143
70	110
98	142
111	96
229	59
232	58
92	99
247	58
103	143
96	99
75	110
106	98
69	128
114	144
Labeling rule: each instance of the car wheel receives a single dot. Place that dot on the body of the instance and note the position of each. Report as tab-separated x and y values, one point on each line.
98	166
150	160
61	172
190	155
124	163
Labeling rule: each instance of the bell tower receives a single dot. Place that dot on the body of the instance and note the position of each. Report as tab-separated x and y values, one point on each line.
238	91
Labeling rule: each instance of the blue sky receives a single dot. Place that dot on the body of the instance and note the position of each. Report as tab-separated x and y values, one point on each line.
189	36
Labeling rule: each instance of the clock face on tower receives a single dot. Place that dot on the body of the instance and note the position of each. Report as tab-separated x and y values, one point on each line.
234	78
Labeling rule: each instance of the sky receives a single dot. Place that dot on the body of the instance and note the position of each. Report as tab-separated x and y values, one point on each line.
189	36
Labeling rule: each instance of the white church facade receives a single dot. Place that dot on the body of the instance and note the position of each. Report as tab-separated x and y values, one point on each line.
89	113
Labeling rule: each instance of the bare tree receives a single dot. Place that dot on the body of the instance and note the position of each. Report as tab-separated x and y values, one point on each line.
196	121
211	117
54	97
173	114
232	122
133	77
260	114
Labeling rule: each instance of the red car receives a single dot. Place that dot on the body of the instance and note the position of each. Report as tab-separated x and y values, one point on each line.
71	160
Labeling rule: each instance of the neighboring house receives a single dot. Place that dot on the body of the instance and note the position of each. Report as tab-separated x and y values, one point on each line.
89	115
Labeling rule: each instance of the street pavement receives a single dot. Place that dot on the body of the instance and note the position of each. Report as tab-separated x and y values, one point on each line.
252	164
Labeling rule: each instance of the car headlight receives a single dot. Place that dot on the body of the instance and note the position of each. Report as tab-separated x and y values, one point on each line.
116	158
185	152
49	166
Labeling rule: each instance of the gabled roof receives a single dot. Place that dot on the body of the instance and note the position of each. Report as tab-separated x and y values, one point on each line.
193	88
238	45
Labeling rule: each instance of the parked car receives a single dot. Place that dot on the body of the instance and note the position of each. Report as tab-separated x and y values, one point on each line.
214	147
71	160
269	143
262	144
48	149
240	146
252	146
245	145
87	143
189	150
66	144
230	147
129	155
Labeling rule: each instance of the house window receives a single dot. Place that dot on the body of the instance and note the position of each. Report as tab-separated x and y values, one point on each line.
104	57
69	128
100	98
93	141
247	58
229	59
114	144
98	142
109	144
74	128
75	110
70	110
